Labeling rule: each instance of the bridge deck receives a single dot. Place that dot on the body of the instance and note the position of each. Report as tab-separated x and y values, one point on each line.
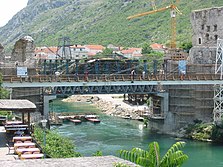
109	80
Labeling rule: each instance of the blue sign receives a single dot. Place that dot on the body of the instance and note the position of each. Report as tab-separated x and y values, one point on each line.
182	66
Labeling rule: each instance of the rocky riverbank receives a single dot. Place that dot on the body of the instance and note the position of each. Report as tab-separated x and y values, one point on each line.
112	105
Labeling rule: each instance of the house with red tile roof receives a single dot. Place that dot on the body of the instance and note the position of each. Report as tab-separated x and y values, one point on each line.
45	52
94	49
72	52
132	53
78	52
158	47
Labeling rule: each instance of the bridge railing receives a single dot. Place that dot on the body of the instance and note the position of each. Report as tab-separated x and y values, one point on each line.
107	77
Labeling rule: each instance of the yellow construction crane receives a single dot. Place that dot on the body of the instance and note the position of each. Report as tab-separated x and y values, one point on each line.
173	9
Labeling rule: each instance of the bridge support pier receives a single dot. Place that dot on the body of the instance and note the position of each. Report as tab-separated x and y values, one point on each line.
46	103
164	123
164	103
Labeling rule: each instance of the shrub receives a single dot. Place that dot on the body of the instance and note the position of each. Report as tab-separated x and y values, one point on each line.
56	145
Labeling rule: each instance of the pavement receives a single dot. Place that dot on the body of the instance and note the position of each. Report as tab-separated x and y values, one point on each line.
101	161
3	148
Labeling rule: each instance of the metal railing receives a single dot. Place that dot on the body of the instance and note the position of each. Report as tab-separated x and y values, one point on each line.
107	77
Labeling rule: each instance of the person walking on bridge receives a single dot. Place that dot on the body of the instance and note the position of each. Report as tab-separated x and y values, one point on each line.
132	75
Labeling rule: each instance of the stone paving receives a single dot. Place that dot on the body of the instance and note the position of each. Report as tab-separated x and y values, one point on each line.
103	161
3	149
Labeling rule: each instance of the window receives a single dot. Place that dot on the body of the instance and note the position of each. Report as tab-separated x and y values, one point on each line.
216	37
202	27
215	27
207	36
208	28
199	41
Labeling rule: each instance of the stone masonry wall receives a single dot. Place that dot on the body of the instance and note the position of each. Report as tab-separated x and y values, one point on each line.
207	27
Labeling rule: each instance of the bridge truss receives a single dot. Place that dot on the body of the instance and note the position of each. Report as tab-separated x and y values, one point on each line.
106	89
218	88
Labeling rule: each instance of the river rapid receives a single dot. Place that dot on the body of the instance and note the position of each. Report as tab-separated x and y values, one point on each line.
113	134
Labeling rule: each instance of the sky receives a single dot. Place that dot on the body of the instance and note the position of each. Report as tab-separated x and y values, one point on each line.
8	8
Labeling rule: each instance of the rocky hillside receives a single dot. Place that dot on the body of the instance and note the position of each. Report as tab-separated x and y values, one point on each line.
99	22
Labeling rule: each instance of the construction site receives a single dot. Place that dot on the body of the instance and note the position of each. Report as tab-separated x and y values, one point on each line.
186	103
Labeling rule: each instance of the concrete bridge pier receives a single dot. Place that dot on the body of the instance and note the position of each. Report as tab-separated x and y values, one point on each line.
167	115
164	122
46	103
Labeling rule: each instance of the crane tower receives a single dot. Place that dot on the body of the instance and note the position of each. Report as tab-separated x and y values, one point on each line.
173	10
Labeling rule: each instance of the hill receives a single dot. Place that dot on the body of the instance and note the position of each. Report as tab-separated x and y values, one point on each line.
99	22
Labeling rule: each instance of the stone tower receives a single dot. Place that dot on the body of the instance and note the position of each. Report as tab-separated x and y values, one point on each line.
2	56
207	27
23	51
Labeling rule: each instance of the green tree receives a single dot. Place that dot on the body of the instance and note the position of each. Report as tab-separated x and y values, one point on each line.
106	52
146	49
4	94
186	46
151	158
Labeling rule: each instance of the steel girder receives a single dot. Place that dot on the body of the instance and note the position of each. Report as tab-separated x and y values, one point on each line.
218	89
107	89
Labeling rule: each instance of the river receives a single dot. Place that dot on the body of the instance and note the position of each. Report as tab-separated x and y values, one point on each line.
113	134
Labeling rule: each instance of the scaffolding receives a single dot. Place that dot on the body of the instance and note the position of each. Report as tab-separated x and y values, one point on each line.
218	89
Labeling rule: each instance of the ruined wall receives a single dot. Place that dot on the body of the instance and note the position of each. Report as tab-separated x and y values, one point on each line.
2	56
207	27
23	50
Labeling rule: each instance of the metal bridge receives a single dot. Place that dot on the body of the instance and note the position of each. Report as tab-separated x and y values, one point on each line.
107	84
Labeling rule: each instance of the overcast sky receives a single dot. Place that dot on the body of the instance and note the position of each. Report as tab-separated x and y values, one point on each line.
8	8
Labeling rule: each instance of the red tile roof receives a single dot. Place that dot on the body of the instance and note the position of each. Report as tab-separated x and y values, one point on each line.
51	49
156	46
132	50
95	47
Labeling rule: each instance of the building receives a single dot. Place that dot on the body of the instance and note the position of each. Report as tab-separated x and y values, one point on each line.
207	27
94	49
132	53
72	52
79	52
46	52
158	47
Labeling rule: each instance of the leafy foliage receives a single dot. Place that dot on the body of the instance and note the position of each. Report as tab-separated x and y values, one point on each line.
56	146
200	131
217	134
98	153
186	46
4	94
146	49
151	158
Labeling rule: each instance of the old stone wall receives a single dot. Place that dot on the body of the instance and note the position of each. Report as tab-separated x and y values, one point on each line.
207	27
2	56
23	50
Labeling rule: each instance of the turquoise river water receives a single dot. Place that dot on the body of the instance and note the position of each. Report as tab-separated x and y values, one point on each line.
113	134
